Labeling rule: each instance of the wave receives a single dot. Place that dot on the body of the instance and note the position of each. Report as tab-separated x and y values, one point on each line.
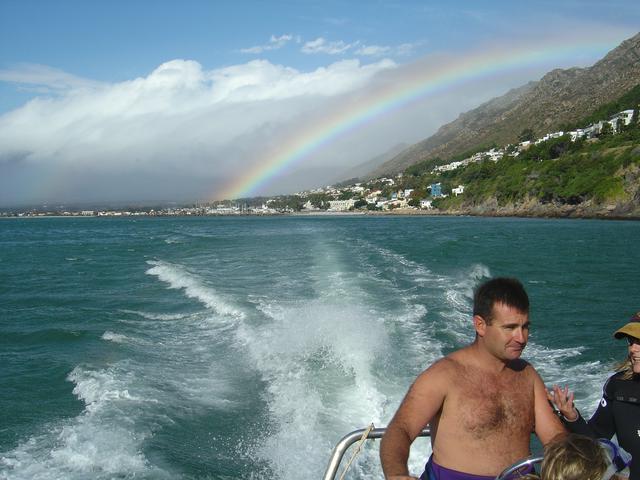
115	337
103	442
317	360
178	278
156	316
46	336
558	366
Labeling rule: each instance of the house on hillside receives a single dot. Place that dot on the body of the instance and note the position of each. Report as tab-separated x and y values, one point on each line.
621	118
459	190
341	205
494	154
372	198
577	133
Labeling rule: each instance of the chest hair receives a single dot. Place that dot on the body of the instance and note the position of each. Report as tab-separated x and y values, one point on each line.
489	404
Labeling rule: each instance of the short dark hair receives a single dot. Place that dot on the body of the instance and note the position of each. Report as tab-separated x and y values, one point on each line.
508	291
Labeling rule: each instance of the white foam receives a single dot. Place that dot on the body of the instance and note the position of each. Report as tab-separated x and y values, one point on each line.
99	389
178	278
115	337
157	316
173	240
585	378
316	357
103	442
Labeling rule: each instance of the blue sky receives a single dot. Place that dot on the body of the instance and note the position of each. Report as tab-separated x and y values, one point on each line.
64	62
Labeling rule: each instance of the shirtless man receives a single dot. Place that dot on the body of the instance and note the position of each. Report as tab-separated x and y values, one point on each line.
482	401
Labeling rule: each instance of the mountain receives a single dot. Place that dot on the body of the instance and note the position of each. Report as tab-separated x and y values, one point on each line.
364	168
559	98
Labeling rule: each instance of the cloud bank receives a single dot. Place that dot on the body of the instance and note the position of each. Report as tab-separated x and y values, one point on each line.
192	127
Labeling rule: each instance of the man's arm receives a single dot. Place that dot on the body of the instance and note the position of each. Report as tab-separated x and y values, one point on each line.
421	403
547	424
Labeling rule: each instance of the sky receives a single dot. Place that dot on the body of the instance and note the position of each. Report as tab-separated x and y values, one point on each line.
165	101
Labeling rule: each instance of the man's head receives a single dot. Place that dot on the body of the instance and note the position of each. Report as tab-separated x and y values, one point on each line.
501	318
501	290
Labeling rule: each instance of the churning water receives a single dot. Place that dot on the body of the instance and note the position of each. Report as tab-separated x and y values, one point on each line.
220	348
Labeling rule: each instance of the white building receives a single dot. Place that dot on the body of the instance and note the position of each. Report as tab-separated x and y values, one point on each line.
341	205
426	204
625	117
576	134
308	206
494	154
458	190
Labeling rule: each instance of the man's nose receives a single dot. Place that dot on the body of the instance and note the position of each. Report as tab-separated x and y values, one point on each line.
519	336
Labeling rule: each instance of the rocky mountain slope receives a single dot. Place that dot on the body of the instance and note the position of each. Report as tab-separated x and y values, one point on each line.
561	97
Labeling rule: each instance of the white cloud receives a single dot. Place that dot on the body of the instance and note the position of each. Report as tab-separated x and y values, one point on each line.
275	43
44	79
358	48
321	45
181	126
403	50
373	50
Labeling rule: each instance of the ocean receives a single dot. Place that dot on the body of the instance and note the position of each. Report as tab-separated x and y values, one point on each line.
246	347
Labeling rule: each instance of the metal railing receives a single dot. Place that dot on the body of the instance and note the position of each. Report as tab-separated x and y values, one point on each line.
376	433
527	463
351	438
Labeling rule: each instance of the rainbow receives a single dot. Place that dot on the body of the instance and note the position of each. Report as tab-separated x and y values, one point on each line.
423	83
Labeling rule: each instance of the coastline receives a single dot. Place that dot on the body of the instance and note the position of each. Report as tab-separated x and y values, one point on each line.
532	209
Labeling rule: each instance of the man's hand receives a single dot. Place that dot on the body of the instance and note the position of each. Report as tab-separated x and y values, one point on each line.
562	398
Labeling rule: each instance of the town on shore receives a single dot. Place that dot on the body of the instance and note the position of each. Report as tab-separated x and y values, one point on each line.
380	195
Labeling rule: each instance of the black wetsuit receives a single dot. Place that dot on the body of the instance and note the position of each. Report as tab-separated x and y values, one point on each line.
618	413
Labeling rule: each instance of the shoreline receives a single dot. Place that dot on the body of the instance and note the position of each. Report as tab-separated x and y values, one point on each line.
504	212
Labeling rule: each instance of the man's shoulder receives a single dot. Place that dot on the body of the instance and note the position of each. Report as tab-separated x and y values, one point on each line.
443	369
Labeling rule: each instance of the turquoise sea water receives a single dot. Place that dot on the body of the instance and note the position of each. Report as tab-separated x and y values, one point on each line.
246	347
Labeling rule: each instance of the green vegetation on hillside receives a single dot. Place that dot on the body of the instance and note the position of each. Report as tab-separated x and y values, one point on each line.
558	170
629	100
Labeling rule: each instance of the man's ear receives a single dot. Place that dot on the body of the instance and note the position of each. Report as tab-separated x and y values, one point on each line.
480	325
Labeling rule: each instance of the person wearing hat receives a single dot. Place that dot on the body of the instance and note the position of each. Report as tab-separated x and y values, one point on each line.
619	410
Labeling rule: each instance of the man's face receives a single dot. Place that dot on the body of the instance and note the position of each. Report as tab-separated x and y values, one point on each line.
507	335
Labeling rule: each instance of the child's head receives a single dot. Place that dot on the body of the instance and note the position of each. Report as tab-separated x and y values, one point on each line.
574	457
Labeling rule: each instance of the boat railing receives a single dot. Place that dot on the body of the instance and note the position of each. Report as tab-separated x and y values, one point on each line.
376	433
522	465
349	439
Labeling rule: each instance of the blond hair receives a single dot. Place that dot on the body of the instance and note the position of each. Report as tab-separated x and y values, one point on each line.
626	368
574	457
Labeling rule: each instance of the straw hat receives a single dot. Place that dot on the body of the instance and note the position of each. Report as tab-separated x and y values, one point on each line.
631	329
